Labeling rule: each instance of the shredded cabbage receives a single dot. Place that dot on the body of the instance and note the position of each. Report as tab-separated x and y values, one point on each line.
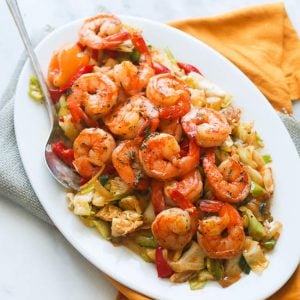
191	260
254	255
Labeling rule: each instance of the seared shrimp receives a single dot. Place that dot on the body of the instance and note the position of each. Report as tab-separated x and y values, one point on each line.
126	161
102	31
129	118
190	186
134	78
208	126
229	182
160	157
174	228
172	127
92	148
96	92
211	238
170	94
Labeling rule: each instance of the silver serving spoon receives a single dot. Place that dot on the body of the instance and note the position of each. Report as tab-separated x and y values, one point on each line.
60	171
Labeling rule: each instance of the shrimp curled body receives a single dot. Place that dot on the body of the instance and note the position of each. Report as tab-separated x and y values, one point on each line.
170	94
208	126
96	92
174	228
126	162
189	186
133	78
211	240
160	157
229	182
92	148
127	118
102	31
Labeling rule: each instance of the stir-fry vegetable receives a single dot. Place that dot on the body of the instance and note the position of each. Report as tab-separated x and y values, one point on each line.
35	91
167	167
162	267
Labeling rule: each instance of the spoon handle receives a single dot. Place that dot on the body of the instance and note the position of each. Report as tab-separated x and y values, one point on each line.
15	11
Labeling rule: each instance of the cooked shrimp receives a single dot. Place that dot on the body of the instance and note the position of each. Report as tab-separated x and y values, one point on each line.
126	161
174	228
170	94
128	118
212	239
102	31
92	148
134	78
190	186
96	92
131	77
229	182
161	159
208	126
172	127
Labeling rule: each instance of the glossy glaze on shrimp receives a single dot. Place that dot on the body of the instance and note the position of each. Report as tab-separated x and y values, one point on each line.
174	228
189	186
161	159
92	148
170	94
125	159
207	126
134	78
102	31
95	92
222	236
229	182
128	118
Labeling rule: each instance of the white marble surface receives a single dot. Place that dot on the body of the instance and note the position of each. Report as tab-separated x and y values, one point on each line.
36	261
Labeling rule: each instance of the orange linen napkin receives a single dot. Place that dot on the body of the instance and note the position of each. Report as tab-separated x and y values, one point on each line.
263	44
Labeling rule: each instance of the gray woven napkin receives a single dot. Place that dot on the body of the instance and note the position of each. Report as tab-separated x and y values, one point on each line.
14	184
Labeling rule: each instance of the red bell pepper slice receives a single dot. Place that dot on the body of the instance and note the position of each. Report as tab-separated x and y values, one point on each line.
63	152
159	68
83	180
56	93
187	68
157	196
139	44
162	267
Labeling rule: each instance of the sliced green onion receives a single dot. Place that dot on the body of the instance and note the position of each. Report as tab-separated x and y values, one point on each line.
244	266
146	241
259	141
215	267
103	228
269	244
170	56
134	56
88	188
255	228
256	190
196	284
35	91
267	158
